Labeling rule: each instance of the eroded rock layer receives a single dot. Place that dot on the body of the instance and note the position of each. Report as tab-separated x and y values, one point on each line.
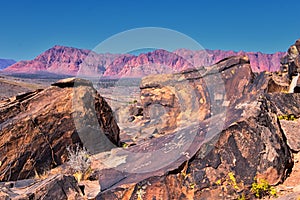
36	127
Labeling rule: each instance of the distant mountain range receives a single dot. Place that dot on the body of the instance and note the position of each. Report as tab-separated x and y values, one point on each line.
73	61
5	63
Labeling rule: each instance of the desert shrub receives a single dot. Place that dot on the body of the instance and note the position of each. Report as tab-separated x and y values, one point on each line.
262	188
230	185
79	162
290	117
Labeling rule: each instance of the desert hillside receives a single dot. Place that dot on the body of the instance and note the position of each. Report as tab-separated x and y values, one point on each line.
223	131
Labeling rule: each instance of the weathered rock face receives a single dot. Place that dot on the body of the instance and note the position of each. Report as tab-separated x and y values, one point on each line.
36	127
289	118
290	67
255	141
55	187
291	130
218	128
250	144
194	95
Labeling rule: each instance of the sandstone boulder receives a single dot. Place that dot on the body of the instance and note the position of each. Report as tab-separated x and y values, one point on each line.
36	128
290	67
195	94
251	145
206	151
55	187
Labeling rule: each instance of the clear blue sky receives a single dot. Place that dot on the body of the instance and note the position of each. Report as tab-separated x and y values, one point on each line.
32	26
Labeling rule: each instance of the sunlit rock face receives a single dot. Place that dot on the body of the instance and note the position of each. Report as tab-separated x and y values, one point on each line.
36	127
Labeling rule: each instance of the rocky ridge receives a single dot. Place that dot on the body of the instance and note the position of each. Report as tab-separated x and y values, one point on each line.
251	143
4	63
212	132
63	60
72	61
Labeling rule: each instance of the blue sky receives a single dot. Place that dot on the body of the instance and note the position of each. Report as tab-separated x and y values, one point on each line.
30	27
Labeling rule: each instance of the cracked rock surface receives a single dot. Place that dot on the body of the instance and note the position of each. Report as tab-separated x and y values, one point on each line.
252	144
36	127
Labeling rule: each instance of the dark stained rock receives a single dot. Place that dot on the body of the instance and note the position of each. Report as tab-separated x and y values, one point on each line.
220	128
194	94
291	130
136	110
55	187
249	143
286	104
290	67
131	118
288	117
72	82
36	128
297	44
252	145
172	100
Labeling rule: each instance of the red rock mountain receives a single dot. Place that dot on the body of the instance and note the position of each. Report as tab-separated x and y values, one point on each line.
259	61
63	60
71	61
